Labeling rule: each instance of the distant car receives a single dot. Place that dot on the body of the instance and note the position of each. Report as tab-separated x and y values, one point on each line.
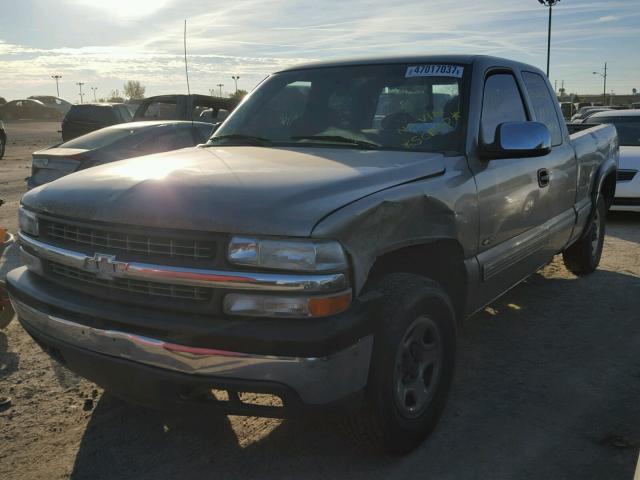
114	143
53	102
87	117
3	139
627	123
185	107
28	109
586	112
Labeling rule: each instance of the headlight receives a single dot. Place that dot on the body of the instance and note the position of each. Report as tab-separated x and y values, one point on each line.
301	255
28	221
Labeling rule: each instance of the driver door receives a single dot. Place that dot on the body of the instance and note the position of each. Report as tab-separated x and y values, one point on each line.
511	214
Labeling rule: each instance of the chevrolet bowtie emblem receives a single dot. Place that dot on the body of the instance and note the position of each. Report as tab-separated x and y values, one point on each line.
105	266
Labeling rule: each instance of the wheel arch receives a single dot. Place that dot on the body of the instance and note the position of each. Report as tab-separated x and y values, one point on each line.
441	260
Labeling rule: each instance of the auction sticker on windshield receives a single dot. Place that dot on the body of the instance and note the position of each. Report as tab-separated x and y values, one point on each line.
435	71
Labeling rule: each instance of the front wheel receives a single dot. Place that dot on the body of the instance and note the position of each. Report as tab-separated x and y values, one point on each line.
583	257
412	365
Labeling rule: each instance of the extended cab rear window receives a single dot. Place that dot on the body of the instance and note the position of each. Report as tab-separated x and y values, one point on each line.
543	104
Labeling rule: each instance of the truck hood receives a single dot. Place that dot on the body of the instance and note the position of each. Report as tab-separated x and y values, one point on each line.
275	191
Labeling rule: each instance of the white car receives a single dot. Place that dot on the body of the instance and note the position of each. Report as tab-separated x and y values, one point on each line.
627	122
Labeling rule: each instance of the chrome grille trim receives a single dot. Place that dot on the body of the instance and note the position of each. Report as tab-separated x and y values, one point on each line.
129	243
182	292
276	282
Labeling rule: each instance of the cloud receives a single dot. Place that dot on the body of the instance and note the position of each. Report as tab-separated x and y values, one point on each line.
106	43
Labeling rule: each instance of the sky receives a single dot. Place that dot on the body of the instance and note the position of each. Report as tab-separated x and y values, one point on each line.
105	43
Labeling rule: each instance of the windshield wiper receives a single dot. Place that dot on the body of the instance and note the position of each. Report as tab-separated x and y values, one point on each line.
240	137
339	139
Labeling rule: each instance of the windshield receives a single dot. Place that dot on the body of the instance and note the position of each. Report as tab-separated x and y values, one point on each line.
397	107
628	129
100	138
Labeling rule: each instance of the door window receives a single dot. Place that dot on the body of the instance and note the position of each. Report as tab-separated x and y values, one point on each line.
543	104
501	103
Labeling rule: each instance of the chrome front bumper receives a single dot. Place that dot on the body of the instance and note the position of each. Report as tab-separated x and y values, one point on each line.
316	380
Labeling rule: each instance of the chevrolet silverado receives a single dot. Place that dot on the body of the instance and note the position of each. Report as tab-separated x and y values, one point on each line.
322	248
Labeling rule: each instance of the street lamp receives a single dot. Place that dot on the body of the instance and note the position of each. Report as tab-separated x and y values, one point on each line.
81	94
235	79
604	88
220	85
550	4
94	93
56	78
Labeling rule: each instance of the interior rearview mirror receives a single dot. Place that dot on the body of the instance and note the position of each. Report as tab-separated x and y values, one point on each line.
518	139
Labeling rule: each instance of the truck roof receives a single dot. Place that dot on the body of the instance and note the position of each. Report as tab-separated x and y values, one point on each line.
418	59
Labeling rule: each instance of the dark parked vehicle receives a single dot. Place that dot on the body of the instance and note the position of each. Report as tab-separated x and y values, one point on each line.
323	247
3	139
28	110
53	102
114	143
586	112
85	118
185	107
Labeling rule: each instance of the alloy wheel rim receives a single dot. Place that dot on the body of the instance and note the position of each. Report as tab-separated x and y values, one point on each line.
418	367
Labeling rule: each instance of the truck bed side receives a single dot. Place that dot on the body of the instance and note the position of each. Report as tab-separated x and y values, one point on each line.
597	156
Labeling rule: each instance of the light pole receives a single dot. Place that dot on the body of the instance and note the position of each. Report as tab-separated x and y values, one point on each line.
550	4
94	93
56	78
81	94
212	92
604	88
235	79
220	85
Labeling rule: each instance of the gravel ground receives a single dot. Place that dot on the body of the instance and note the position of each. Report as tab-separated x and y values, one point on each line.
548	386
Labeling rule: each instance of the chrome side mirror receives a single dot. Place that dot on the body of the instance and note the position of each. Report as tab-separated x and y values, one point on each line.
518	139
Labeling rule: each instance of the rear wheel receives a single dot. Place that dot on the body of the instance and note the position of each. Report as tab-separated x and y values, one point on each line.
412	364
583	257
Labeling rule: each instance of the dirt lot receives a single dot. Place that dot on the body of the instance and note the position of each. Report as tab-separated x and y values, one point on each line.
548	386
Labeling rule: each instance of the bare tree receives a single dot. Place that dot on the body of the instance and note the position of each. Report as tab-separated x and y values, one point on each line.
115	97
133	89
239	94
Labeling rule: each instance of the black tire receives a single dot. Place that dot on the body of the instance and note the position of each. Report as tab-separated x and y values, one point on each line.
386	421
3	143
583	257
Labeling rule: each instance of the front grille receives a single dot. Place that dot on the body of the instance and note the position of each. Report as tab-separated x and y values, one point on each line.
139	287
115	241
625	175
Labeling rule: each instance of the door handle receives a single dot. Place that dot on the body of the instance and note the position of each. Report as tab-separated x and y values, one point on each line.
543	177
